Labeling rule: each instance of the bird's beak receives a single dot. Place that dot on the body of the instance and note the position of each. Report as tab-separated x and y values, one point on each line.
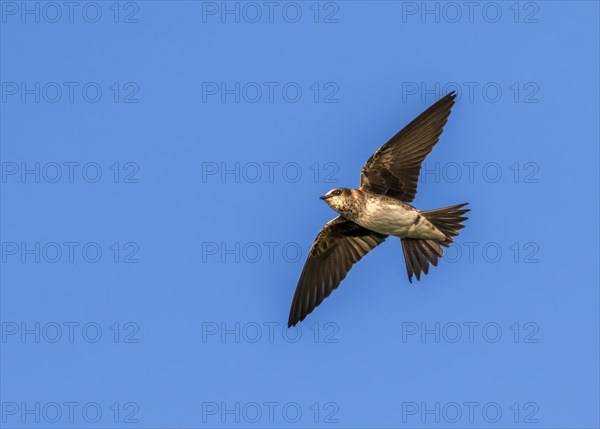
324	197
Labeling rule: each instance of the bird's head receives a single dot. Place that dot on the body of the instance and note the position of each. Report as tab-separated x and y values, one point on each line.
339	198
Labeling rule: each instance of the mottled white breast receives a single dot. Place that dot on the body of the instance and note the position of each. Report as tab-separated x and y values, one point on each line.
387	217
391	217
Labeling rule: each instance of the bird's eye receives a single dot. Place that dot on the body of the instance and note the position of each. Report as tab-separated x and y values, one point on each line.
337	192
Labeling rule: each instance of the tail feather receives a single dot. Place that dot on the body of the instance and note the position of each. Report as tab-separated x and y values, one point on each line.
448	220
418	254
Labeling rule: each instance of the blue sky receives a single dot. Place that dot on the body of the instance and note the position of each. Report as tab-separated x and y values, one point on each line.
161	167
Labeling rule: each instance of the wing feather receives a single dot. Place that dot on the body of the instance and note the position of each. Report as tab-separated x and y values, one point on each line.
340	244
394	169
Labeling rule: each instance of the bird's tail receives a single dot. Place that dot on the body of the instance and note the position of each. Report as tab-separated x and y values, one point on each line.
418	254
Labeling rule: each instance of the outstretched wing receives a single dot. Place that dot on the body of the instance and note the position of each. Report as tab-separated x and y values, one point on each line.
340	244
394	169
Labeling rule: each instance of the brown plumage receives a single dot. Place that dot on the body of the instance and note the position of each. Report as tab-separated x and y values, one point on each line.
379	208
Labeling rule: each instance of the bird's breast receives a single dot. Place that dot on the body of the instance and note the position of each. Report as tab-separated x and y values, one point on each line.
387	217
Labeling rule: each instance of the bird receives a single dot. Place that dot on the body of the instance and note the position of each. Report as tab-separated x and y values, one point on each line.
380	208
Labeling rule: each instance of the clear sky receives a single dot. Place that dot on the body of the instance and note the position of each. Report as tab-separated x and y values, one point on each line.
161	164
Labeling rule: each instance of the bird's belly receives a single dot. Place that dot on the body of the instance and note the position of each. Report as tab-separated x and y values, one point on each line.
388	219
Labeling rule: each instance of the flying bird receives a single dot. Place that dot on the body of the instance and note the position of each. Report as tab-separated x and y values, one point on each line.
380	208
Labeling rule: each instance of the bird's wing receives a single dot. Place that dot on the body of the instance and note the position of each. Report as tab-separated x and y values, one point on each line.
340	244
394	169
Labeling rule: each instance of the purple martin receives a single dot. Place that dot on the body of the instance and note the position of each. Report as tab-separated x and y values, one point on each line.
379	208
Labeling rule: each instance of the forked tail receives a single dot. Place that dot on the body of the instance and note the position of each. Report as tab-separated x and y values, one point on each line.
418	254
